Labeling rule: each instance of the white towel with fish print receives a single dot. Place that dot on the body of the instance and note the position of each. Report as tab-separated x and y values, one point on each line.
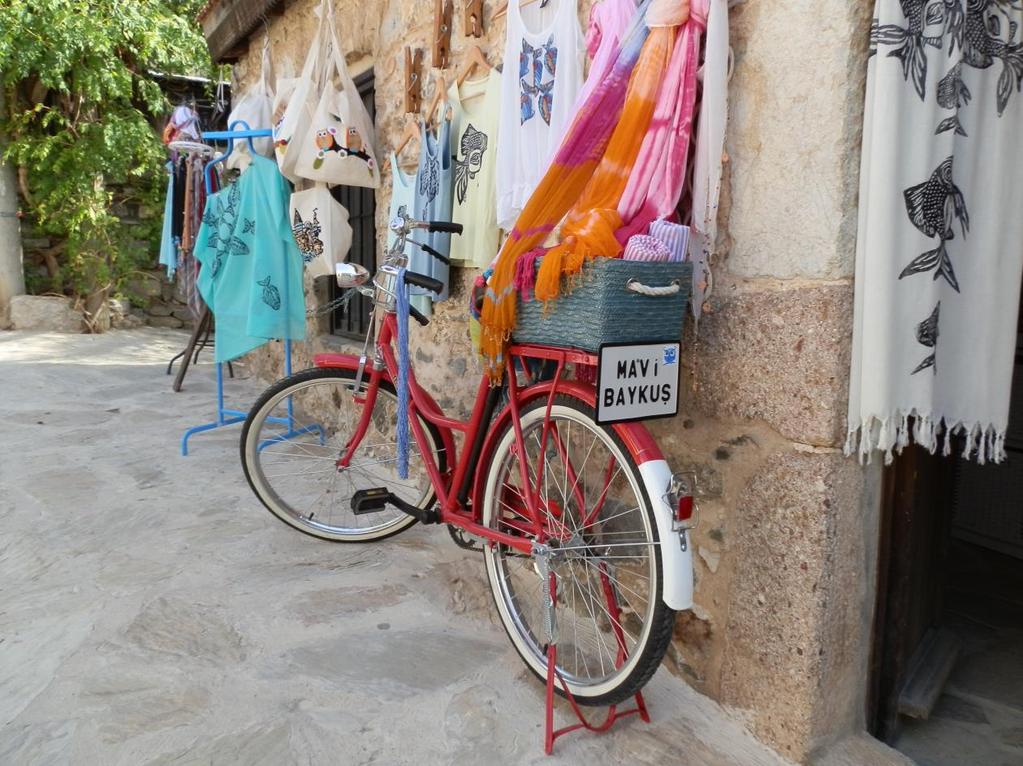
939	252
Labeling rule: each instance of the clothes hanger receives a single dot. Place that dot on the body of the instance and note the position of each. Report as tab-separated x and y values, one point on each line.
440	96
502	9
411	133
208	171
475	58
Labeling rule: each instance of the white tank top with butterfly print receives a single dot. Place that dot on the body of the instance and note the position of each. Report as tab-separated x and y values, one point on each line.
543	71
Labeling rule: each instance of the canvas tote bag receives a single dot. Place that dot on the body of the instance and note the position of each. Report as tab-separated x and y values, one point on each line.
255	109
336	145
321	229
295	102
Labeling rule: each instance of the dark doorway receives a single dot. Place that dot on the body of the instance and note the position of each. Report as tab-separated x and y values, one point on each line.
947	669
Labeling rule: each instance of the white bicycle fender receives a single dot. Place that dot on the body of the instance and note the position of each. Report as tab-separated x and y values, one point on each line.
677	562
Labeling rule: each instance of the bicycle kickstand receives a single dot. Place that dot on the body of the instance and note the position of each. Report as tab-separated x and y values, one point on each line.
542	553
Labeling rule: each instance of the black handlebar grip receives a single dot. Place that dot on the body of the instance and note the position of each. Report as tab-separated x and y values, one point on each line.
445	226
421	280
414	313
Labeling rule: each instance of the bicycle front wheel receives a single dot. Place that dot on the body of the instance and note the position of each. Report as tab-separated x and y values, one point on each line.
293	438
612	627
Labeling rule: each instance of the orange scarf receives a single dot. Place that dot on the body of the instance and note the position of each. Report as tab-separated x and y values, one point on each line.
591	170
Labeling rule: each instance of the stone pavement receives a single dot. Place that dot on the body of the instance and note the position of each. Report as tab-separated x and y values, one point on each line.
151	612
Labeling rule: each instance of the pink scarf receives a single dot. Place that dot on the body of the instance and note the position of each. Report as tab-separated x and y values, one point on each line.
657	178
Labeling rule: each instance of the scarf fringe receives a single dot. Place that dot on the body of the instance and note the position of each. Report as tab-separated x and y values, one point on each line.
893	434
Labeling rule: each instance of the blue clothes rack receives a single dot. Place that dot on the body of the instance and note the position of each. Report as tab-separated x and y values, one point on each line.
225	416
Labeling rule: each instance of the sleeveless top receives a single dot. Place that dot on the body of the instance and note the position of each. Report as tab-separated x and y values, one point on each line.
475	107
433	203
543	67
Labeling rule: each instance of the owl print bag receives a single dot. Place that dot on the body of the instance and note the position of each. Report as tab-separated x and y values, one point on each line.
337	144
321	229
295	100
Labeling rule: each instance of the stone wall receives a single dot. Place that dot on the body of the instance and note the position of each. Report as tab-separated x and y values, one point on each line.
785	547
159	301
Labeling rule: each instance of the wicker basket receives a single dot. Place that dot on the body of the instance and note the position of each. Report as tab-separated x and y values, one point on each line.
604	308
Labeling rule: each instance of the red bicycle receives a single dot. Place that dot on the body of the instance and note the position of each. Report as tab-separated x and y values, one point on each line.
559	503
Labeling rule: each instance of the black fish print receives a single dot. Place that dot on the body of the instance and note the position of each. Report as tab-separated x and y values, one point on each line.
987	38
931	207
472	146
927	335
236	247
911	40
983	30
429	180
271	295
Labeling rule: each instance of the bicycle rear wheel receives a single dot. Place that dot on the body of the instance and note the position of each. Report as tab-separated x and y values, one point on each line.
291	442
612	626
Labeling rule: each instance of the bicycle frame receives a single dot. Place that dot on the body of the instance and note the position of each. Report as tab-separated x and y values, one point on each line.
461	483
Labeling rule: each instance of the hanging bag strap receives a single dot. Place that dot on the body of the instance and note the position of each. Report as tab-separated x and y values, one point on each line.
359	114
265	69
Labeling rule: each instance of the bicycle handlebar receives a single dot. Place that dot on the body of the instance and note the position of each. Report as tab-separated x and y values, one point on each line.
444	226
421	280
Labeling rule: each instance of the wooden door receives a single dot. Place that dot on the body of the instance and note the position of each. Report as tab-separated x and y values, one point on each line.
914	535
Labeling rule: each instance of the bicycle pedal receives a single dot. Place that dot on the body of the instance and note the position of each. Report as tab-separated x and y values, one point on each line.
370	500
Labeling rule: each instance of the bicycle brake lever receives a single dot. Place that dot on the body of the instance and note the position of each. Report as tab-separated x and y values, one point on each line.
430	251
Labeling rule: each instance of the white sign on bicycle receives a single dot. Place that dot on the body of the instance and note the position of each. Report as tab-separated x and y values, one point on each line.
637	382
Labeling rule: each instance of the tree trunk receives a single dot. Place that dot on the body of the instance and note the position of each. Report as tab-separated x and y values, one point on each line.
12	272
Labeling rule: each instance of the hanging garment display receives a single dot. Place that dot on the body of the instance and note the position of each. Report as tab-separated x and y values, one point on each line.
403	203
433	203
939	259
188	267
587	176
541	79
321	229
251	276
475	107
168	247
609	20
708	155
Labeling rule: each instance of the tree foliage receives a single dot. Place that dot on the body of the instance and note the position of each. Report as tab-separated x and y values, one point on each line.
81	104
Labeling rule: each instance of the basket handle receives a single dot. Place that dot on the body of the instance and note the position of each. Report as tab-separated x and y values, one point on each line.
635	286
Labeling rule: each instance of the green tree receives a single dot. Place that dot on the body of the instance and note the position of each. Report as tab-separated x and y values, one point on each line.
81	103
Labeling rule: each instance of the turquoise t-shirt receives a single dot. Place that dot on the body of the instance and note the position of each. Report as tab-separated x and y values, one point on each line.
251	276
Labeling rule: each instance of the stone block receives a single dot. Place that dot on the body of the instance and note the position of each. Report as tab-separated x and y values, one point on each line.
159	310
45	312
146	285
185	315
126	322
793	203
781	355
173	322
797	605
